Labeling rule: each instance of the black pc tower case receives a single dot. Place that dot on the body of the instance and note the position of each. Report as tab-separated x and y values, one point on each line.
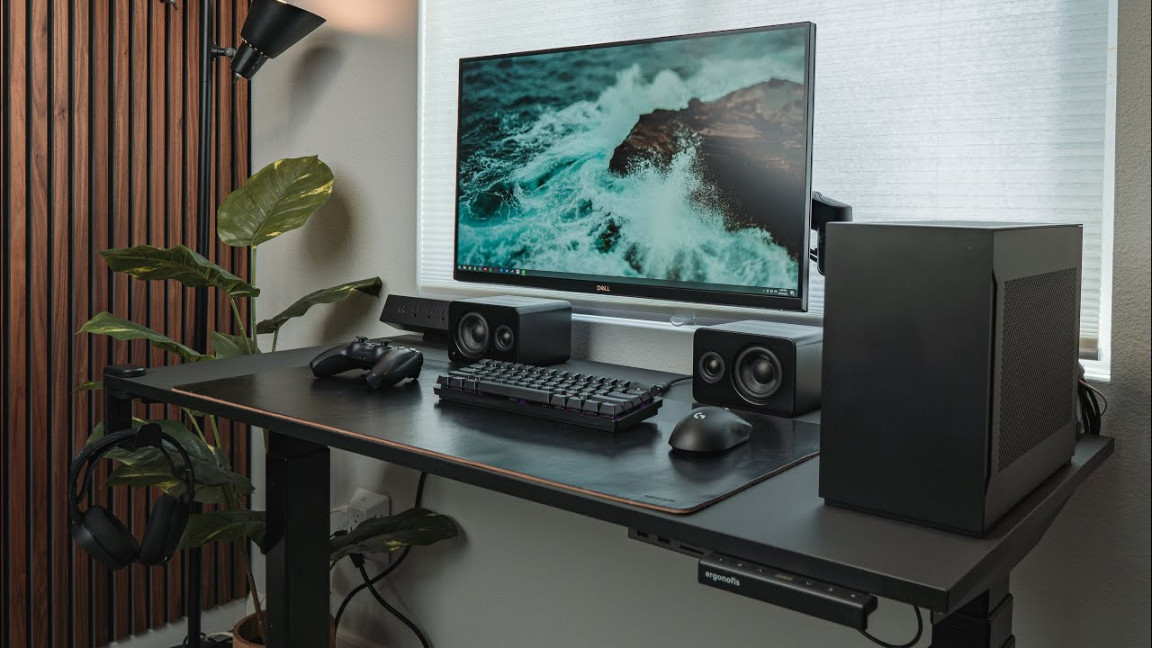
950	367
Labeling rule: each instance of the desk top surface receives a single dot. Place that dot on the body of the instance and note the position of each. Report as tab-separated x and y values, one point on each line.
780	522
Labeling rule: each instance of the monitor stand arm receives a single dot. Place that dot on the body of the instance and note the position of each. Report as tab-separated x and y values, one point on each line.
824	211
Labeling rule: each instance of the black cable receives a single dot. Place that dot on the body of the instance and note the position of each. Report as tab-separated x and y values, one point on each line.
919	633
387	570
1096	393
663	388
396	613
420	489
1091	413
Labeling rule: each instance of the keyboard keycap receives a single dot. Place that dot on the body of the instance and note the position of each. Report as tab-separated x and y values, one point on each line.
512	391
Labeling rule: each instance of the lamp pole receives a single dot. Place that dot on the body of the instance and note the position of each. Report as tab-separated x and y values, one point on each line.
270	28
209	52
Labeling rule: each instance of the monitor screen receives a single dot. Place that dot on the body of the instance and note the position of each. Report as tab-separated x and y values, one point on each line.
675	168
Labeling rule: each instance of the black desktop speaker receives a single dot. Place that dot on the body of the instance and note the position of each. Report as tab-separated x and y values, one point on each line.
765	367
516	329
950	367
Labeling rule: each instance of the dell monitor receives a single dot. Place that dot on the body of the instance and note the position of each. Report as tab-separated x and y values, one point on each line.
673	168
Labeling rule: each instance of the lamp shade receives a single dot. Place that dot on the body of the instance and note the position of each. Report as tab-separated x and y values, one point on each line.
270	28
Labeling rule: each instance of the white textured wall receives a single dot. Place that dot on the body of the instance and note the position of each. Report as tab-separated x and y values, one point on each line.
525	575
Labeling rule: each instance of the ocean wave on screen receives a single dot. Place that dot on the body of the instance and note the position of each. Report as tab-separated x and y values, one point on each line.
541	196
645	225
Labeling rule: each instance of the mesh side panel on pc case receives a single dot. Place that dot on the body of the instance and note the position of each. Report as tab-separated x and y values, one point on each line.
1038	316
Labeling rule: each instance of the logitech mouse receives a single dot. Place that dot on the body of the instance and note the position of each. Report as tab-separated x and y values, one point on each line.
709	429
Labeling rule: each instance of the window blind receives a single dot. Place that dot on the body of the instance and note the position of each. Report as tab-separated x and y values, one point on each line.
980	110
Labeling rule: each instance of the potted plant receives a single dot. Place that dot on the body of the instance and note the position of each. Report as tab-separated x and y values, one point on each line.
278	199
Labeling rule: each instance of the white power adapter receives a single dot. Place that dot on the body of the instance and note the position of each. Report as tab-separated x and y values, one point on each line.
366	504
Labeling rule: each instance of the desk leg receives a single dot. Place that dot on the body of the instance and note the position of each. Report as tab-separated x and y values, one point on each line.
298	502
985	622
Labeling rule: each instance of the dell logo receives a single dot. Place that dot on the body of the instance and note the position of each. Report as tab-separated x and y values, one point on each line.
603	288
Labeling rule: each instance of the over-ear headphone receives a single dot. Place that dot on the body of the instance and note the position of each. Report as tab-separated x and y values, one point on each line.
101	534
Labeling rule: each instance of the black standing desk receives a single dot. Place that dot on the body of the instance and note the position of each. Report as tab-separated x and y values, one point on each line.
780	522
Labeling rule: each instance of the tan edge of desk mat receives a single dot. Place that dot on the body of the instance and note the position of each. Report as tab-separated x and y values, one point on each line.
494	469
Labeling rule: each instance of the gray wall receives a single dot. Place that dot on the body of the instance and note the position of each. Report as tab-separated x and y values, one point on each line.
526	575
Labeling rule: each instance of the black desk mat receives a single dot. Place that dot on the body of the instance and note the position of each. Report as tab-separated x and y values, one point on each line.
635	467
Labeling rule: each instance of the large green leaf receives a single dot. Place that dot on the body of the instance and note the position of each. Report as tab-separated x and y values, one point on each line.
150	468
179	263
326	296
105	323
230	346
415	526
189	440
224	526
278	199
211	469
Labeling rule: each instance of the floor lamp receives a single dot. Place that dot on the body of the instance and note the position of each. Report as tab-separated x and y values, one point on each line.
270	28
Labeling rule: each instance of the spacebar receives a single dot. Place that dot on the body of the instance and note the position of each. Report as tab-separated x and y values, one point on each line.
512	391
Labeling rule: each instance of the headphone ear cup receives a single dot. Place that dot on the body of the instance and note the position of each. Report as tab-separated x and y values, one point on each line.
106	538
165	528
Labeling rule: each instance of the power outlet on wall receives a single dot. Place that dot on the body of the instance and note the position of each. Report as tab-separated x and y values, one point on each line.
366	504
338	519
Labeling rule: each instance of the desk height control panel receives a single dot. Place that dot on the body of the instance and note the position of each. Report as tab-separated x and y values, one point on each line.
793	591
764	583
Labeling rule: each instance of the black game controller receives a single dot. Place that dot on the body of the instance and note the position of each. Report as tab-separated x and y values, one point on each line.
397	364
386	364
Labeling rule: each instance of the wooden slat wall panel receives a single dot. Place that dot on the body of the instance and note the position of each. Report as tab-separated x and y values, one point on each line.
60	352
174	100
80	619
100	126
97	150
4	233
16	319
157	293
139	233
39	269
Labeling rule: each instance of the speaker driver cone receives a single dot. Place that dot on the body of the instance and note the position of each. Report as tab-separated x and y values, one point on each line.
757	375
711	367
472	335
505	339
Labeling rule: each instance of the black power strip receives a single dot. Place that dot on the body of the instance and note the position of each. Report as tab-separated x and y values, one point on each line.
427	316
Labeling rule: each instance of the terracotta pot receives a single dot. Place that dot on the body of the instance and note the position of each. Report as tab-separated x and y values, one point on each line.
246	627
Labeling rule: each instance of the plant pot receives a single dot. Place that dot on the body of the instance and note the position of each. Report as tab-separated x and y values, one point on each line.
246	628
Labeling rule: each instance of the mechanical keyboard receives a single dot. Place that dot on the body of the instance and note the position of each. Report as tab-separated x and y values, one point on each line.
598	402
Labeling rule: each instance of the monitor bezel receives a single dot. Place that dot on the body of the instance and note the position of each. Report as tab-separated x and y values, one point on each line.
612	286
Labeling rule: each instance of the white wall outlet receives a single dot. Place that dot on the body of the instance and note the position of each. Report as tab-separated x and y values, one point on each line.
366	504
338	519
